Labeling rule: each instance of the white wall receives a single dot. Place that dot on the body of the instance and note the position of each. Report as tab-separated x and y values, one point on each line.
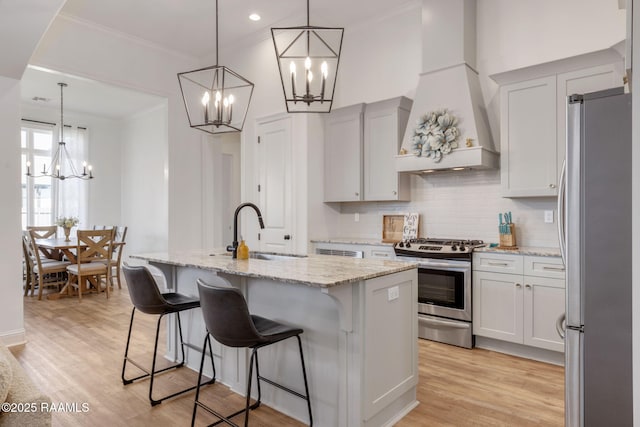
103	154
144	186
11	308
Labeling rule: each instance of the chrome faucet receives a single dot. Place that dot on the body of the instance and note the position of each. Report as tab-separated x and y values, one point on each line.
234	247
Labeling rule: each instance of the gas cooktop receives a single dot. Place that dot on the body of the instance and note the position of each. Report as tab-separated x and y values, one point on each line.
437	248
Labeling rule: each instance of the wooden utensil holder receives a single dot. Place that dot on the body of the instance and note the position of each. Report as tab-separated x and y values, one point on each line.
508	240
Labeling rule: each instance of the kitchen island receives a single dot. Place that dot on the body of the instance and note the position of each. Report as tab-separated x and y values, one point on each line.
360	330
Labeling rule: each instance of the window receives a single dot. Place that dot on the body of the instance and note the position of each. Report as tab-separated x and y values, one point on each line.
43	198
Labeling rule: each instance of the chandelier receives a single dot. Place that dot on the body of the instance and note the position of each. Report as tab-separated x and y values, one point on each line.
62	166
216	98
308	59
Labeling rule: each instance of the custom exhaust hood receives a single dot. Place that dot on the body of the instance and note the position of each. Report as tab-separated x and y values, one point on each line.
449	81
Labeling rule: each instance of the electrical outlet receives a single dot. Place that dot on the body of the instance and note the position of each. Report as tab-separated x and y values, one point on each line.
393	293
548	217
356	217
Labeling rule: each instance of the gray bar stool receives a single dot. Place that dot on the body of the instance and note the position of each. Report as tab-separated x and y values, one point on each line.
147	298
228	320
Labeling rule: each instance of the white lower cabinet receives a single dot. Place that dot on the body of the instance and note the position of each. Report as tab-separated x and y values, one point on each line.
519	307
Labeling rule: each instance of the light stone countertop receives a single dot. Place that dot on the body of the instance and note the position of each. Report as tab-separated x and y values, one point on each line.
523	250
352	241
322	271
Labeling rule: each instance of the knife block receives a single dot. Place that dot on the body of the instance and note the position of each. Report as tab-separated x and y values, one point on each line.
508	240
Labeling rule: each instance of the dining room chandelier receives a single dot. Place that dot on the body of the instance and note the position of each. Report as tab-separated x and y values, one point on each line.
308	59
216	98
61	166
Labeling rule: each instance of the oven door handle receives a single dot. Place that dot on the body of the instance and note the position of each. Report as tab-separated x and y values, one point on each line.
441	322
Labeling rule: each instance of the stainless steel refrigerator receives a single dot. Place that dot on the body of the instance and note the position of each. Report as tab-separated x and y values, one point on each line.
594	208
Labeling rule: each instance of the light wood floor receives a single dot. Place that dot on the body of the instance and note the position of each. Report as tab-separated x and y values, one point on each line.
74	353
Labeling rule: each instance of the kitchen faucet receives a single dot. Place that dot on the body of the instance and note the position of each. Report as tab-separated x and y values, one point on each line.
234	247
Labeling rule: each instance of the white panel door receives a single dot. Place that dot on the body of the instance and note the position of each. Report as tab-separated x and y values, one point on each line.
275	185
497	306
543	304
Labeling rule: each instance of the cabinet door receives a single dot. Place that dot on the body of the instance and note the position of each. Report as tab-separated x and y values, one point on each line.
384	124
544	303
343	139
582	81
528	150
497	306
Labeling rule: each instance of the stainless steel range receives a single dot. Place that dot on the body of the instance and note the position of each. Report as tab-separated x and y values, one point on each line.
444	287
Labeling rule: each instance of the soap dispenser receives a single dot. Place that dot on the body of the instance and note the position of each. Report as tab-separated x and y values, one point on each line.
243	250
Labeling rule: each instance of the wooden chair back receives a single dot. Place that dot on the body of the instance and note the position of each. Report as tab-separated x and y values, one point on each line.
95	245
43	231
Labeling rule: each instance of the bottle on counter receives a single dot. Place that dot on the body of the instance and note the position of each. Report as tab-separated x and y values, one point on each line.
243	250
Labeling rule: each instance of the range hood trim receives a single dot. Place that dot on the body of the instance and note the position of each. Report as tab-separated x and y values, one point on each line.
467	158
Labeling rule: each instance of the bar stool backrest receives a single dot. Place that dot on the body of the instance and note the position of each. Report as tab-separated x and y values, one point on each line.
227	317
143	290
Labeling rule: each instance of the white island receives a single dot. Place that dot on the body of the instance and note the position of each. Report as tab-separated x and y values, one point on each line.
360	331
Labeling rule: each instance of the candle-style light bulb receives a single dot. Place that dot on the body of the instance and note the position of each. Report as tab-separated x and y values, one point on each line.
324	69
84	168
231	101
307	66
310	76
307	63
90	171
28	167
205	103
292	69
225	104
218	106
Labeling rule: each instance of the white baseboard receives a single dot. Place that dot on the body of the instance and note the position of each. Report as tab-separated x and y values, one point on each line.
13	338
528	352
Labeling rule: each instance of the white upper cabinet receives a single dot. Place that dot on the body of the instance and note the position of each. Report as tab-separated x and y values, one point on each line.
384	126
528	149
533	119
343	140
361	142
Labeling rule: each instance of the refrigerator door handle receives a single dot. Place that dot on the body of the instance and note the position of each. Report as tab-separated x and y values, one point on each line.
561	325
561	205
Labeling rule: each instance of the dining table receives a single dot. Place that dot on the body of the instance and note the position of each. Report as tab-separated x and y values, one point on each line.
60	247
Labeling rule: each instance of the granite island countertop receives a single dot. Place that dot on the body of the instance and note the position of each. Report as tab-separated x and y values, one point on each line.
322	271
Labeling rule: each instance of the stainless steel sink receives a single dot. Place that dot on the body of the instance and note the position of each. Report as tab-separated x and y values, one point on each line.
265	256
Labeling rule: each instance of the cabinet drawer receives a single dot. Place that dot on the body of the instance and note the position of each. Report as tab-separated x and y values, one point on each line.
543	266
497	263
385	253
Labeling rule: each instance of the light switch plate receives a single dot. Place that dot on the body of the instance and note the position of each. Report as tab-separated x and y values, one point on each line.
548	217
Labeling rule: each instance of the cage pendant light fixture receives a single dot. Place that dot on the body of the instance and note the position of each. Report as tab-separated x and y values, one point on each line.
308	59
216	98
61	166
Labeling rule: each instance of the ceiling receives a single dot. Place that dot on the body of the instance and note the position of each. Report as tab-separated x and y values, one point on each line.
185	26
188	26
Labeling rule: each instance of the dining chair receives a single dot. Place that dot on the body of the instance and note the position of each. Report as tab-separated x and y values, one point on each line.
116	261
94	252
44	232
49	272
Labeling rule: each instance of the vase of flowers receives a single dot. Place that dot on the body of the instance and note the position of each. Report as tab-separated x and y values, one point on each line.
435	135
67	223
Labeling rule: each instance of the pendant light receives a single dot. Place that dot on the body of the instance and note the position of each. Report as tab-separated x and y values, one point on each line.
62	166
216	98
308	59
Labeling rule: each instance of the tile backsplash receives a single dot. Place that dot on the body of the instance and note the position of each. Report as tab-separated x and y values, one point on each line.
458	205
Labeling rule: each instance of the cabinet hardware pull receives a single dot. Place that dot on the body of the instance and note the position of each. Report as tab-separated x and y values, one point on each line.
357	194
553	268
395	193
498	264
527	286
518	285
552	186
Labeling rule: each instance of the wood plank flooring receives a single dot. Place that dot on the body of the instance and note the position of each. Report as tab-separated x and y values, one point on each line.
74	353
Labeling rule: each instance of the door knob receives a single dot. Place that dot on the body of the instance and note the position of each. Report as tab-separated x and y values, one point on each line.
287	237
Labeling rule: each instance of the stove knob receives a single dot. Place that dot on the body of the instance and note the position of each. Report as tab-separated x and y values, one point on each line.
401	244
407	245
462	248
454	248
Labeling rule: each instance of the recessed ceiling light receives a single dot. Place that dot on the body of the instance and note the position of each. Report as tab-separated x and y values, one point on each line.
254	17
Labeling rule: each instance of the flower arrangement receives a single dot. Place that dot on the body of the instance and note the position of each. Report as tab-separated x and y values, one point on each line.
435	135
67	222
